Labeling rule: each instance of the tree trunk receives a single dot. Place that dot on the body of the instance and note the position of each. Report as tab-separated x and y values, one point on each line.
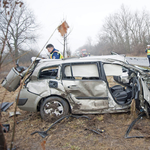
3	145
16	50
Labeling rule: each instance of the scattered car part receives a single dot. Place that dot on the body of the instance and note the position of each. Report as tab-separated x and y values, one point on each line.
44	133
25	118
101	131
97	132
5	127
4	106
131	125
80	116
21	120
12	113
12	81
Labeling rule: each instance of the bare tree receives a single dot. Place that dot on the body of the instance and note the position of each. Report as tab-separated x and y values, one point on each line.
126	31
16	26
21	29
115	30
5	9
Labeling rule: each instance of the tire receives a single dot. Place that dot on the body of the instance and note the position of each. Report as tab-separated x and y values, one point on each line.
53	108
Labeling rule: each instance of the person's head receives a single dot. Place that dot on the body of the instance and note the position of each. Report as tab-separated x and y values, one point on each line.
148	46
50	48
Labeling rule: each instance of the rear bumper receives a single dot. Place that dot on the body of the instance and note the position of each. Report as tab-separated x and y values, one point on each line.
28	101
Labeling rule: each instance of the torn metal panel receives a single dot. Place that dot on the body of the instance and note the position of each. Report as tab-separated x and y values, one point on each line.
86	88
87	95
100	111
146	89
59	90
39	86
92	104
112	103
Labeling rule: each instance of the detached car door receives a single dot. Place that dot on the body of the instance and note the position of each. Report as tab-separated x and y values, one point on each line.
84	86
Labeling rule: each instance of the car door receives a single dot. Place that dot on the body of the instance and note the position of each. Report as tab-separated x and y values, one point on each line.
47	82
84	85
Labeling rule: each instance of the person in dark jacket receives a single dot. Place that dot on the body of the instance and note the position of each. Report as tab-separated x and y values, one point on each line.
54	53
148	53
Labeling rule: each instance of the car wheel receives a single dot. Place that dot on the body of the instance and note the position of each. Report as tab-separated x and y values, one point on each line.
53	108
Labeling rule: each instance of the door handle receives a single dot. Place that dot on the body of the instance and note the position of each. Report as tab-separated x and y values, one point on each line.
72	86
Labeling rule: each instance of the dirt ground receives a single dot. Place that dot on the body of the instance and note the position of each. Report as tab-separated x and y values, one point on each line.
73	133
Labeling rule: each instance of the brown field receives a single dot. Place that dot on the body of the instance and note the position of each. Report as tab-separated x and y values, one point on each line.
72	133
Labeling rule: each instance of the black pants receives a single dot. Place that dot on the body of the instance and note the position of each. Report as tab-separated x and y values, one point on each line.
148	59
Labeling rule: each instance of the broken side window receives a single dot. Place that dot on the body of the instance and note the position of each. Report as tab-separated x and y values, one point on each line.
81	71
49	73
113	72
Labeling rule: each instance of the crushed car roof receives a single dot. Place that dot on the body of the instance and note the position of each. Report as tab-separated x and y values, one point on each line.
104	58
121	59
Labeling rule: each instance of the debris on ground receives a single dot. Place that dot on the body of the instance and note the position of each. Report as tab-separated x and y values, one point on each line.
5	128
44	133
5	105
97	132
12	113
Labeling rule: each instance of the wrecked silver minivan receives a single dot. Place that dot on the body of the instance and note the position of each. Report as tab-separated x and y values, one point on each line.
90	85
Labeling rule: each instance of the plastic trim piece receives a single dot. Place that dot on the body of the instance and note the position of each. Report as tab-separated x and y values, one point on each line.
4	106
22	101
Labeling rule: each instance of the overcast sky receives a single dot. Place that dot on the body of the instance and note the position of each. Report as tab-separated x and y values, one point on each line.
85	18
